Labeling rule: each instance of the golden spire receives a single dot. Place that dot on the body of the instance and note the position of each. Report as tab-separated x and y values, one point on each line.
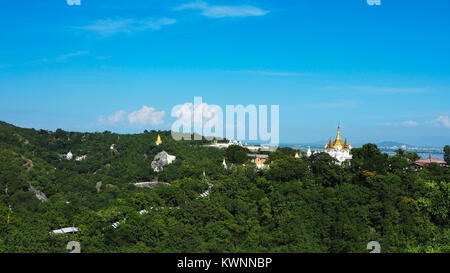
346	145
338	141
158	141
330	144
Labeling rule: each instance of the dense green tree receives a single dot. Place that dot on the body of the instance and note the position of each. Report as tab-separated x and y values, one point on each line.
236	154
288	169
447	154
284	152
369	159
326	170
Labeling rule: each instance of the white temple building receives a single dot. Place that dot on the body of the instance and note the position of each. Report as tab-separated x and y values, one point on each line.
67	156
336	149
224	145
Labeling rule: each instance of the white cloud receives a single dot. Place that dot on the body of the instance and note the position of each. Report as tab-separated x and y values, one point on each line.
73	2
117	117
111	27
443	121
411	123
388	124
65	57
202	116
201	113
146	116
214	11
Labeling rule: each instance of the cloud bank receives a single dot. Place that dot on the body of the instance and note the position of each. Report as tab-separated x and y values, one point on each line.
109	27
215	11
142	117
440	122
146	116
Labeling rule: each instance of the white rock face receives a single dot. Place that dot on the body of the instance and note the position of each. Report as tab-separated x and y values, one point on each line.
162	159
81	158
98	186
39	195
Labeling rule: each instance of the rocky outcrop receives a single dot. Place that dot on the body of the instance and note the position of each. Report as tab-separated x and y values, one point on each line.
98	186
40	195
162	159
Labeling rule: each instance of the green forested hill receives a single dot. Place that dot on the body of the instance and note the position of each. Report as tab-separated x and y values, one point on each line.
298	205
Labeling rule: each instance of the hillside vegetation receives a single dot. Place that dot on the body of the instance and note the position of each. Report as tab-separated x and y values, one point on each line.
297	205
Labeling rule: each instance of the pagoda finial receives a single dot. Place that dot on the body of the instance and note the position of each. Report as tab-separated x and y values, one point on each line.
338	141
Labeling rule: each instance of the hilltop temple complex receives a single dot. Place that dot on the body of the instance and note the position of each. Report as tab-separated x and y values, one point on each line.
336	149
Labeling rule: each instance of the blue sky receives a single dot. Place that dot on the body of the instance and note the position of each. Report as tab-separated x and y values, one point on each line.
382	71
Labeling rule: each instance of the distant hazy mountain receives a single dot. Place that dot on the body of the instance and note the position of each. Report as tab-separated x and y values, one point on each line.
391	144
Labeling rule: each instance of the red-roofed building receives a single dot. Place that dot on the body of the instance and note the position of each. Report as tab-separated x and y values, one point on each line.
425	162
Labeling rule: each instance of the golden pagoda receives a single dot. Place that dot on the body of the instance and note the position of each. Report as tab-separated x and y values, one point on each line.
338	141
338	149
158	140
